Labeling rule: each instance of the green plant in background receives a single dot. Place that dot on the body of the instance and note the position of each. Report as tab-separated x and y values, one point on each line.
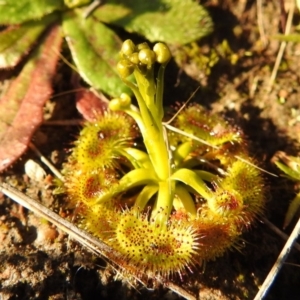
166	200
290	165
192	57
92	43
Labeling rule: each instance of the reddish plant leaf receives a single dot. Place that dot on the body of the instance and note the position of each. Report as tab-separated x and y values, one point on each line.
90	105
21	108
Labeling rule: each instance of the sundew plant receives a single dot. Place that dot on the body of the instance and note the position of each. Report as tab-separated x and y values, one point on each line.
167	194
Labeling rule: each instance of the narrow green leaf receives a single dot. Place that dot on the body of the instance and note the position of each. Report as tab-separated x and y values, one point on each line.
293	208
170	21
184	200
290	173
145	195
191	179
16	41
16	12
94	49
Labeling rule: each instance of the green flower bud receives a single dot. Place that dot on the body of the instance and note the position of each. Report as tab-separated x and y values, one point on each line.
125	100
120	103
125	68
128	47
142	46
147	57
114	104
163	54
134	58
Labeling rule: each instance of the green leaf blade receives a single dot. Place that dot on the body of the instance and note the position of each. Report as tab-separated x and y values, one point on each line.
289	172
16	12
94	49
292	210
159	20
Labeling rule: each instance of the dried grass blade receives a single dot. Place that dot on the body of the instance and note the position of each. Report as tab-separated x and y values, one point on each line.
279	263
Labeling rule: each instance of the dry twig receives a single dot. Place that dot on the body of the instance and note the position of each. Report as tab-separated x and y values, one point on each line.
282	46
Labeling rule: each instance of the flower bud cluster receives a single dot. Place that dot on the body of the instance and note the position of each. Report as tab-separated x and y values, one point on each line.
141	56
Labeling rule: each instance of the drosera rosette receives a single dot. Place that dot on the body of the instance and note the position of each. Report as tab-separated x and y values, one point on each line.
167	200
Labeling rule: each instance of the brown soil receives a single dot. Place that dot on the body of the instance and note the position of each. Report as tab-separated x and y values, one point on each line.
37	261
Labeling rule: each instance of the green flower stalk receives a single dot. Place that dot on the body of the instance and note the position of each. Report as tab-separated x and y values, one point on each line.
172	199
